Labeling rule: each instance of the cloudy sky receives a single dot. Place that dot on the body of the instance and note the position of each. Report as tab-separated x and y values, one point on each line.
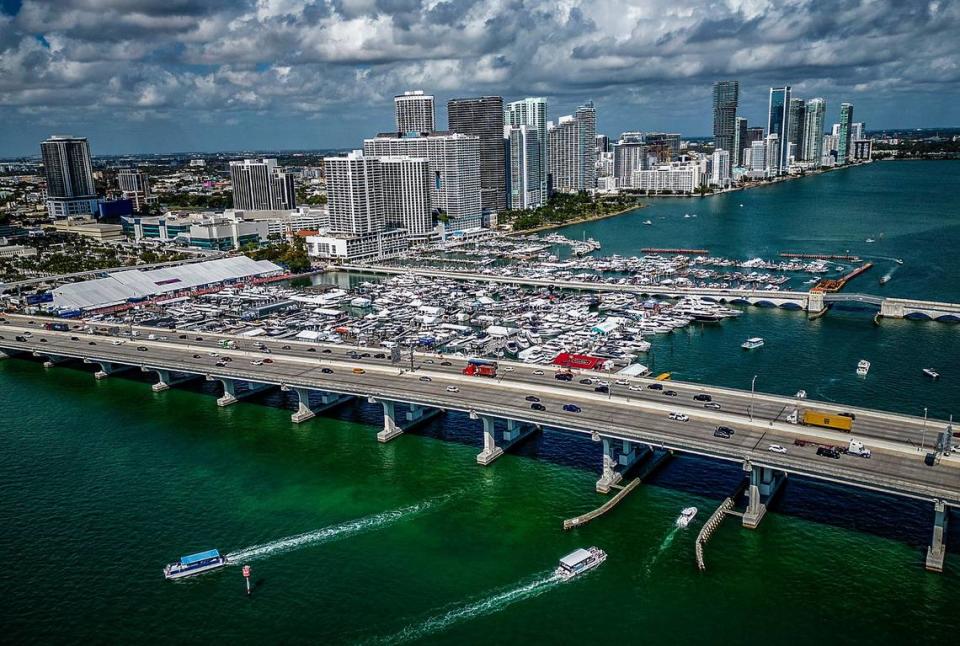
182	75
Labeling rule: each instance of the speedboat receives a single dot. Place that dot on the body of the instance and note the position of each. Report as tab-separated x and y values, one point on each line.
801	394
863	367
751	343
930	372
647	222
194	564
686	516
869	240
579	561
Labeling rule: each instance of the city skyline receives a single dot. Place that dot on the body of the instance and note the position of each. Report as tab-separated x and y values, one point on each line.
213	76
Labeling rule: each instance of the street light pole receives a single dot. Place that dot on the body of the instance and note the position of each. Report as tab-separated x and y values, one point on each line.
923	436
753	383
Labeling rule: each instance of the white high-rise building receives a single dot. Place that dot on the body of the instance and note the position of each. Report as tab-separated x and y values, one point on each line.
523	167
414	112
69	172
835	130
675	177
773	144
629	154
355	194
572	146
454	170
532	112
721	168
261	185
814	114
857	131
406	194
134	186
758	157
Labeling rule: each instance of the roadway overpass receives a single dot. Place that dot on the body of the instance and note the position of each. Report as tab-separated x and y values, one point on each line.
793	300
628	423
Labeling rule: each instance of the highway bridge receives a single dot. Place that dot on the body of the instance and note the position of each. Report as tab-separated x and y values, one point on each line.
631	421
793	300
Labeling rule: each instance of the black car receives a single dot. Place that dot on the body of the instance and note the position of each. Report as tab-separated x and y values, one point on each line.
227	359
721	433
379	355
286	347
197	356
325	351
23	339
182	336
726	429
670	393
532	398
199	338
602	389
326	371
572	408
828	452
73	338
655	387
141	348
538	406
43	340
586	382
92	343
702	398
445	363
311	349
562	376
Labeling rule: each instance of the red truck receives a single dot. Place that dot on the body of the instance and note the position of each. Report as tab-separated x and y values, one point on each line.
481	368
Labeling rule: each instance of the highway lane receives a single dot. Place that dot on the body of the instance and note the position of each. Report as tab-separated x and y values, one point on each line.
607	415
869	424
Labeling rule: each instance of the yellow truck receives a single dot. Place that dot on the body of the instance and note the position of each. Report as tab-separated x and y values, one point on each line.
827	420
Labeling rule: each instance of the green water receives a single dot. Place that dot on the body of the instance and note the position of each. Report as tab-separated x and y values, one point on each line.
102	483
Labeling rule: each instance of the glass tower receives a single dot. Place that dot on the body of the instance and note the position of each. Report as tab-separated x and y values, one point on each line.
725	96
778	122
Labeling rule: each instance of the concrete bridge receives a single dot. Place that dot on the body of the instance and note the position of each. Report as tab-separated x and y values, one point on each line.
628	424
785	299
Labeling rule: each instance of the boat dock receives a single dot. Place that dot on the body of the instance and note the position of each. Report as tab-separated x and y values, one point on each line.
691	252
836	284
819	256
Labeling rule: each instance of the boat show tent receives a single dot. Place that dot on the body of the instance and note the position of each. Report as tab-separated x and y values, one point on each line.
580	361
136	284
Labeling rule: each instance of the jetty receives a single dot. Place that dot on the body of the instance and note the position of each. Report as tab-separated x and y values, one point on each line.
819	256
690	252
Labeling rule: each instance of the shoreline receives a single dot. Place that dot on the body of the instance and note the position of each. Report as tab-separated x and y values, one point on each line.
592	218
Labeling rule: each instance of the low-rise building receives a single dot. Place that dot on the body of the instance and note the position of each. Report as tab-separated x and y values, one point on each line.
17	251
676	177
89	228
382	245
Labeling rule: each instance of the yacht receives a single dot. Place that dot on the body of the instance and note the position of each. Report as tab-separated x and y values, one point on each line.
930	372
194	564
579	561
863	367
686	516
751	343
870	240
648	222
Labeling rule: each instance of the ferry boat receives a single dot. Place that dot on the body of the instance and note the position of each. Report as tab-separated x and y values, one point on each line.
579	561
751	343
930	372
194	564
863	367
686	516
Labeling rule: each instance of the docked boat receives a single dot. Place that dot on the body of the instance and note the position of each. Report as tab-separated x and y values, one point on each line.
686	516
194	564
863	367
801	394
751	343
930	372
579	561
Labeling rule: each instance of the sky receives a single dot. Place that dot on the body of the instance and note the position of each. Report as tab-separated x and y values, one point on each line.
208	75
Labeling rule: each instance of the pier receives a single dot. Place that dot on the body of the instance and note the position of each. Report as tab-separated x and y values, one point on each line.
819	256
690	252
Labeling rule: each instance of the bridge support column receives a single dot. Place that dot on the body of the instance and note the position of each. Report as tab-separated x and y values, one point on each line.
53	359
165	379
617	460
514	433
5	354
390	428
937	551
230	393
815	302
764	484
307	411
107	368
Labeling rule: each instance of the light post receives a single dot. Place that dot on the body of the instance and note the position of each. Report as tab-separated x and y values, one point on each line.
923	436
753	383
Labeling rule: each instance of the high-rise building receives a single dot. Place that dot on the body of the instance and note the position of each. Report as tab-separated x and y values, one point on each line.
857	131
721	168
629	154
414	112
261	185
740	141
754	133
778	122
532	112
830	145
795	123
758	157
69	171
572	145
454	171
406	194
835	130
135	187
666	145
523	167
843	146
603	144
482	117
815	111
354	194
772	154
725	97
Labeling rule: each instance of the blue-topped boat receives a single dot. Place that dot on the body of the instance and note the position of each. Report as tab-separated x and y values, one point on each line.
195	564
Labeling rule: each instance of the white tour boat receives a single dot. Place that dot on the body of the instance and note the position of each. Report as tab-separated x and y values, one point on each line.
195	564
751	343
579	561
863	367
686	516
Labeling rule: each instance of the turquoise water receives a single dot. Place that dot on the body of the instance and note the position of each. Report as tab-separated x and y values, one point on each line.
352	541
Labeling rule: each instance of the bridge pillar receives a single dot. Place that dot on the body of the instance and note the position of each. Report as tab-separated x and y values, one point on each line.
764	484
390	428
305	410
892	309
937	551
230	393
514	433
815	302
107	368
165	378
52	359
616	461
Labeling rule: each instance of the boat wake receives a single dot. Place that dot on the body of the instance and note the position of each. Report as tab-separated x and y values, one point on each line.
535	586
326	534
664	546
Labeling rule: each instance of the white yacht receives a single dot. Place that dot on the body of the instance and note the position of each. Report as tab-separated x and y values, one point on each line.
686	516
863	367
579	561
751	343
930	372
648	223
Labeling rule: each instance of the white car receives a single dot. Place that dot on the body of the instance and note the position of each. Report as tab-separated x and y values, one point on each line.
776	448
603	383
118	342
680	417
538	372
622	382
214	354
508	369
257	362
635	388
452	389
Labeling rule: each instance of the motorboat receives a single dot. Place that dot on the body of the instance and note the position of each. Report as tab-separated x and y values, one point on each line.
801	394
863	367
579	561
194	564
930	372
648	223
686	515
751	343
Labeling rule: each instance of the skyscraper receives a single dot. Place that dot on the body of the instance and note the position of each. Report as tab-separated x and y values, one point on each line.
134	186
406	194
778	123
843	146
69	172
483	117
532	112
629	154
857	131
414	111
740	141
261	185
523	167
573	150
721	168
815	112
772	154
725	97
355	194
796	121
